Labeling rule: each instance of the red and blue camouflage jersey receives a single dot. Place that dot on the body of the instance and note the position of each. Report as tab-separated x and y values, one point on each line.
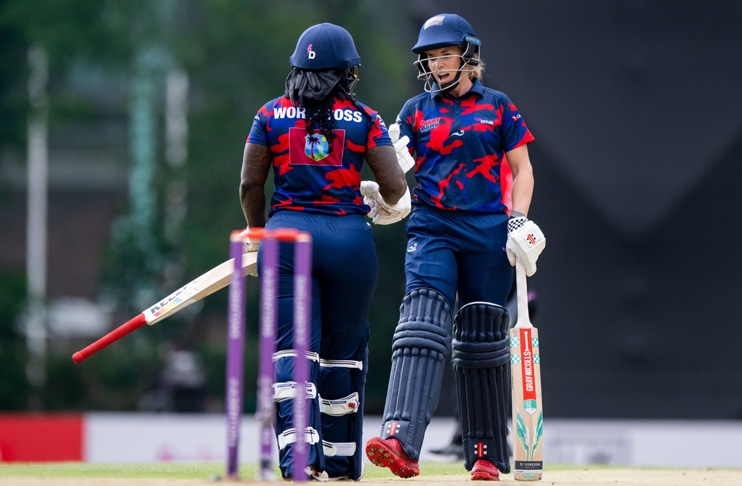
460	145
307	175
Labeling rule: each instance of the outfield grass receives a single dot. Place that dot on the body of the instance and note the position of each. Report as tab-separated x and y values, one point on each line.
187	470
190	474
168	470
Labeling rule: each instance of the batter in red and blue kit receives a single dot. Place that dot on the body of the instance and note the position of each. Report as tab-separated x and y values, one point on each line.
315	139
463	242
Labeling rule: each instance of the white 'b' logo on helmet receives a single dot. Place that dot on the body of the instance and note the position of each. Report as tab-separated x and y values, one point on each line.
310	53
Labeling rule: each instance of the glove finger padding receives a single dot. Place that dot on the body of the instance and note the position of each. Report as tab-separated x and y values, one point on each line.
371	203
250	246
525	243
381	212
389	214
404	159
394	132
369	188
370	192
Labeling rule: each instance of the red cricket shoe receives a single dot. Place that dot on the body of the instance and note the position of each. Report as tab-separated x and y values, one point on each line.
388	453
484	471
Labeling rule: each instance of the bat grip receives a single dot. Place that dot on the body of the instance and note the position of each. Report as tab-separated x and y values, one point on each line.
521	284
115	335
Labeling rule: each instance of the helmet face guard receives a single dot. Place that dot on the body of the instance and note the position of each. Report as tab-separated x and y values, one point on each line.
446	30
351	78
425	74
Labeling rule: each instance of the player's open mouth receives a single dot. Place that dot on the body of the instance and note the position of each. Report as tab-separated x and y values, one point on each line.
443	78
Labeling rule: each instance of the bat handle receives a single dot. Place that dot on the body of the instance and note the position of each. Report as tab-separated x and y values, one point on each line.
521	284
112	336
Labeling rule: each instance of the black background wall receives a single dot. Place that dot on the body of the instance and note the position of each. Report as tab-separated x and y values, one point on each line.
637	115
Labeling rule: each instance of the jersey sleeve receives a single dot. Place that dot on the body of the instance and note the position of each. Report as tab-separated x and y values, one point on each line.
258	132
378	134
404	119
514	129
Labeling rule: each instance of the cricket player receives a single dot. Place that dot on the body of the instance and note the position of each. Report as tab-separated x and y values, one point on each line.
315	138
462	241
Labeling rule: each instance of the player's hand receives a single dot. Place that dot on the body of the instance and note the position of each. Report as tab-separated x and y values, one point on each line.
404	159
369	191
525	243
250	245
381	212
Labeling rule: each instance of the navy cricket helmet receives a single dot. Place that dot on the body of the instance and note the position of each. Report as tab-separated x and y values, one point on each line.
447	30
444	30
325	46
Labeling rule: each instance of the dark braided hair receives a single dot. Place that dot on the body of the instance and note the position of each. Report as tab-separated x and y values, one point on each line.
316	91
319	116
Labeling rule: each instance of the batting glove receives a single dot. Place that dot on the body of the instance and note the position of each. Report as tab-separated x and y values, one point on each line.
381	212
249	246
404	159
525	243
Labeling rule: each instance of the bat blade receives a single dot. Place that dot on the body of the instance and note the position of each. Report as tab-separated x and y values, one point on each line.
525	368
215	279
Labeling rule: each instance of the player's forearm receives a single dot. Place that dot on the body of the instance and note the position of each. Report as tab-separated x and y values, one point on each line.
256	162
252	199
522	194
390	177
523	180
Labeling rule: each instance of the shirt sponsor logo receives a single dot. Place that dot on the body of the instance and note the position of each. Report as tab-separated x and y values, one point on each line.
282	112
294	112
428	125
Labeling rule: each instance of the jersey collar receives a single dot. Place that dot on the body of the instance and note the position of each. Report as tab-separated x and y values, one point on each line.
477	87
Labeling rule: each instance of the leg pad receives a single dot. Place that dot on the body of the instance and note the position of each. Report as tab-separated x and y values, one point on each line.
481	360
420	347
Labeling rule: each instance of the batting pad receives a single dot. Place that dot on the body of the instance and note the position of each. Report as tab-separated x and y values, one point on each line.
420	346
286	433
481	358
342	385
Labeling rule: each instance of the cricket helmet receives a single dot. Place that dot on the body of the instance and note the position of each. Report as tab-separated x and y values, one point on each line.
444	30
325	46
447	30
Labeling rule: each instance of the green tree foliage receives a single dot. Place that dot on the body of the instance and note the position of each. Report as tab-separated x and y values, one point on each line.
236	54
12	342
12	79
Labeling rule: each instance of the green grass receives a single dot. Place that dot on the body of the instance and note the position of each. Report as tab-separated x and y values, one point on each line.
187	470
174	470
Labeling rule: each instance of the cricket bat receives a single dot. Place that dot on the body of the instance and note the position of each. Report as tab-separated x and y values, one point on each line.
525	368
215	279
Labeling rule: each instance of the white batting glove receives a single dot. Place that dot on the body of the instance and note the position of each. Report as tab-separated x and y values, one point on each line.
525	243
249	246
404	159
381	212
369	191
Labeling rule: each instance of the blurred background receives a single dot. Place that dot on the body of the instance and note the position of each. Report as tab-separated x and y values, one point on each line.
121	134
